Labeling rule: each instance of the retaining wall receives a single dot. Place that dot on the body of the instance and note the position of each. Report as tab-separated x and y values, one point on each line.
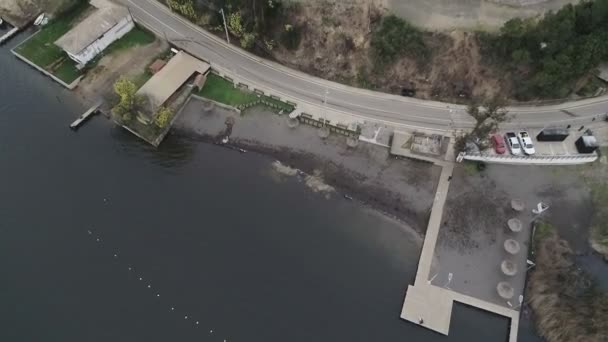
531	160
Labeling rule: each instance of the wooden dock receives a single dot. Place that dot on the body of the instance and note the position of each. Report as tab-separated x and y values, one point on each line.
91	111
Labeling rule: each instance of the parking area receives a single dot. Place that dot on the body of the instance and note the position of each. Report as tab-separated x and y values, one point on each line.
548	148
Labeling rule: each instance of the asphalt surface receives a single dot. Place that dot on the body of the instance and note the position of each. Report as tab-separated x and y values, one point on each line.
309	91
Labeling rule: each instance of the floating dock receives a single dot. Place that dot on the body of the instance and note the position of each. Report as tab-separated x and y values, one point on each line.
91	111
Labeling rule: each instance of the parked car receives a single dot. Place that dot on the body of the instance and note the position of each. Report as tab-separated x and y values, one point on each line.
513	143
499	143
526	143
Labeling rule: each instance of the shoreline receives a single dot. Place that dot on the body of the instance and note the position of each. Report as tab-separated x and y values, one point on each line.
398	188
306	163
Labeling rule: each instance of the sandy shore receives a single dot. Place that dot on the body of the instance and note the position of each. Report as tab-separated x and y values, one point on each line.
403	189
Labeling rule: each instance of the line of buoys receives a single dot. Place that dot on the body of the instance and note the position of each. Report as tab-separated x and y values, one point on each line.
149	285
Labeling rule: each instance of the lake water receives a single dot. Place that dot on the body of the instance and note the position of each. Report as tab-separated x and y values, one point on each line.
219	239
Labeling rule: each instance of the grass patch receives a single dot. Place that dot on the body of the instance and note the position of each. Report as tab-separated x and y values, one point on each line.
218	89
599	223
470	167
67	71
41	50
542	231
137	36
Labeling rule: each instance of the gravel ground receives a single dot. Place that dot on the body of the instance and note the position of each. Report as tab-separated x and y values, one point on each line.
401	188
471	239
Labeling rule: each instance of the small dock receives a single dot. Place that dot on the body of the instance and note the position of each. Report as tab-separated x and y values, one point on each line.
91	111
6	36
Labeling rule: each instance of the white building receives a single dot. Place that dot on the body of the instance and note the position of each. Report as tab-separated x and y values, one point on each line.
107	23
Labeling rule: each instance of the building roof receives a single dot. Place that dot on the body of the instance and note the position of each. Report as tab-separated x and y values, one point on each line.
156	66
105	16
168	80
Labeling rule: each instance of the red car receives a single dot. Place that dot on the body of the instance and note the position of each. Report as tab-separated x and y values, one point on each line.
499	144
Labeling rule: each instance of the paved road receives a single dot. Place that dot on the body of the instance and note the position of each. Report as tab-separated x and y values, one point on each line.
309	91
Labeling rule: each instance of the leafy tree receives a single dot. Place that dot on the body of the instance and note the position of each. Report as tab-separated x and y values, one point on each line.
129	103
183	7
394	38
291	36
163	116
548	56
247	40
235	24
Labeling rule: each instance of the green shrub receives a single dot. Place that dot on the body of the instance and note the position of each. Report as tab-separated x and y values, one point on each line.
550	55
291	37
394	38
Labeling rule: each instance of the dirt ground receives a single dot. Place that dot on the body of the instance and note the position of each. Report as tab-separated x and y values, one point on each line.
20	12
336	45
469	14
97	84
401	188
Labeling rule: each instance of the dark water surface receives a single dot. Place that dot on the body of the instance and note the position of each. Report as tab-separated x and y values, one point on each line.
214	234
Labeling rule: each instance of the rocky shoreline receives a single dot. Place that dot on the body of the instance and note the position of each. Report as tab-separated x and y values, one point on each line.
401	189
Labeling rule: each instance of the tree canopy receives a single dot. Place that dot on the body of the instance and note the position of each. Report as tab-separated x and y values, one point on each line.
129	103
549	55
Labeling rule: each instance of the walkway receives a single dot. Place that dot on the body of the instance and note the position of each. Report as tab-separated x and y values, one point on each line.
431	306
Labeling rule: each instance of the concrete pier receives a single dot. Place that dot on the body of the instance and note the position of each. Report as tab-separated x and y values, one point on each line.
91	111
428	305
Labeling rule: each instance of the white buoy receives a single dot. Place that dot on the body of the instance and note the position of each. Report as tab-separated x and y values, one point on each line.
185	317
98	240
149	286
172	309
140	278
196	322
130	268
90	232
211	331
116	255
158	295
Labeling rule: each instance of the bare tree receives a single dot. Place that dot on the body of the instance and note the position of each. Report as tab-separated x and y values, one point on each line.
488	115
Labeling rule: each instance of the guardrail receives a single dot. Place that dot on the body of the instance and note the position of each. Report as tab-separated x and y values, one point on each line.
571	159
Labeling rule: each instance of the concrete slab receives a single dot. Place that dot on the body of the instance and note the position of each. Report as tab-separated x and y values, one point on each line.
429	304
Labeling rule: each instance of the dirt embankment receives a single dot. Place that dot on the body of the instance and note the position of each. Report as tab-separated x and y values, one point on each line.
335	44
20	12
567	305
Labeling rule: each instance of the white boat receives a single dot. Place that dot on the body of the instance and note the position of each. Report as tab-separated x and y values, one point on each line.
39	20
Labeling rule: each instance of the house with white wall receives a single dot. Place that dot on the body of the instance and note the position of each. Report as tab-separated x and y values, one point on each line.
107	23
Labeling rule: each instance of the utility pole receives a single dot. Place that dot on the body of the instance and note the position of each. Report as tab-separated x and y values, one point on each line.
225	26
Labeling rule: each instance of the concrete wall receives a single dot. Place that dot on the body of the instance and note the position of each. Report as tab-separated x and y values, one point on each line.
531	160
123	27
